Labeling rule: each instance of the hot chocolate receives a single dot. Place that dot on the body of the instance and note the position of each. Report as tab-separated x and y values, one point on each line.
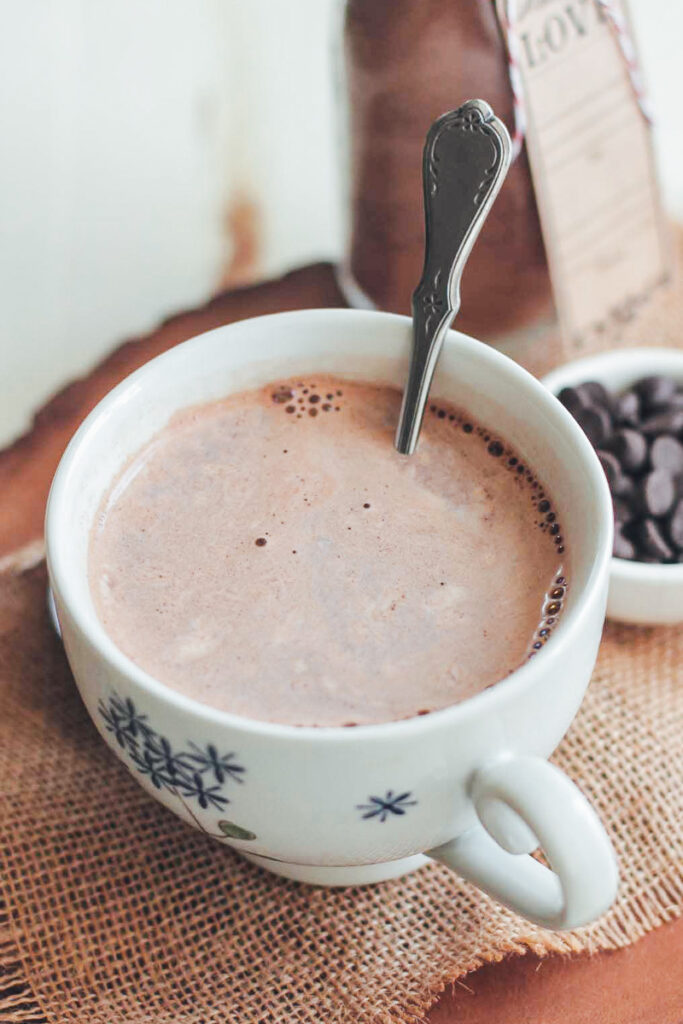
272	555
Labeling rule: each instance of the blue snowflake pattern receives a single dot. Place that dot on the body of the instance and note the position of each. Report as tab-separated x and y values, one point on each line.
381	807
209	760
204	794
176	766
179	772
114	725
132	721
147	764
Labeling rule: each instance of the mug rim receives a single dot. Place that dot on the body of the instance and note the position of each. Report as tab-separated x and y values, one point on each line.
60	571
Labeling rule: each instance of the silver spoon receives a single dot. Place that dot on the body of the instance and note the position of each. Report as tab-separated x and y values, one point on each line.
465	160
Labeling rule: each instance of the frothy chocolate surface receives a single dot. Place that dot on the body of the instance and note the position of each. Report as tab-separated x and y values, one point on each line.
272	555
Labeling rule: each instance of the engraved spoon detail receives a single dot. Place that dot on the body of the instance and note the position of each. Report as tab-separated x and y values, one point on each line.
466	157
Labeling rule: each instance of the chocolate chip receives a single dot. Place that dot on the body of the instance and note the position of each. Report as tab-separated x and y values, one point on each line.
627	409
623	547
630	448
573	399
623	510
676	525
638	439
651	542
667	422
595	393
667	453
596	424
655	391
656	493
612	469
624	487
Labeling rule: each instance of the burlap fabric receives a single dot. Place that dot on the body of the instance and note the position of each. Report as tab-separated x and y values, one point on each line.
118	912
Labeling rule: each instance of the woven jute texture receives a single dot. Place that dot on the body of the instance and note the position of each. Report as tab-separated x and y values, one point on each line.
115	912
118	912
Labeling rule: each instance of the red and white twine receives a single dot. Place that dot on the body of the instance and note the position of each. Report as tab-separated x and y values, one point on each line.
507	15
620	27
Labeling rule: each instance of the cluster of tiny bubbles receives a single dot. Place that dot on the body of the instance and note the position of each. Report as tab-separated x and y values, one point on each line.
547	518
542	508
304	398
552	607
299	399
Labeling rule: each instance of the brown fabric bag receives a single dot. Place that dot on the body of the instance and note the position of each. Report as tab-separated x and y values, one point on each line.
406	64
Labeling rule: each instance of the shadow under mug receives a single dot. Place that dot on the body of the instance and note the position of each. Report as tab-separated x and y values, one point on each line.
469	785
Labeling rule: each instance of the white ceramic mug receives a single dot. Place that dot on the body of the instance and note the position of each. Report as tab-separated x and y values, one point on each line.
470	785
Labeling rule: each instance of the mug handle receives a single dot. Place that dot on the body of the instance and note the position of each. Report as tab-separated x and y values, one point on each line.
523	802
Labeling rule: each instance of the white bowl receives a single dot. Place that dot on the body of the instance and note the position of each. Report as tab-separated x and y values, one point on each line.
639	592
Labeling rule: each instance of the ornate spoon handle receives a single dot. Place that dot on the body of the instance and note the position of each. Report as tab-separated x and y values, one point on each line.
465	160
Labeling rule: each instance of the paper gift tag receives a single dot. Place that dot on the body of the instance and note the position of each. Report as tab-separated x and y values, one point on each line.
590	151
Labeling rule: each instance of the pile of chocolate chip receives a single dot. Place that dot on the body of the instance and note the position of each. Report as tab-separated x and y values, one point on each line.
638	438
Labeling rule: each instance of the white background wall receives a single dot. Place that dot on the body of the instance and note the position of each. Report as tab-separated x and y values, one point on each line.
128	130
